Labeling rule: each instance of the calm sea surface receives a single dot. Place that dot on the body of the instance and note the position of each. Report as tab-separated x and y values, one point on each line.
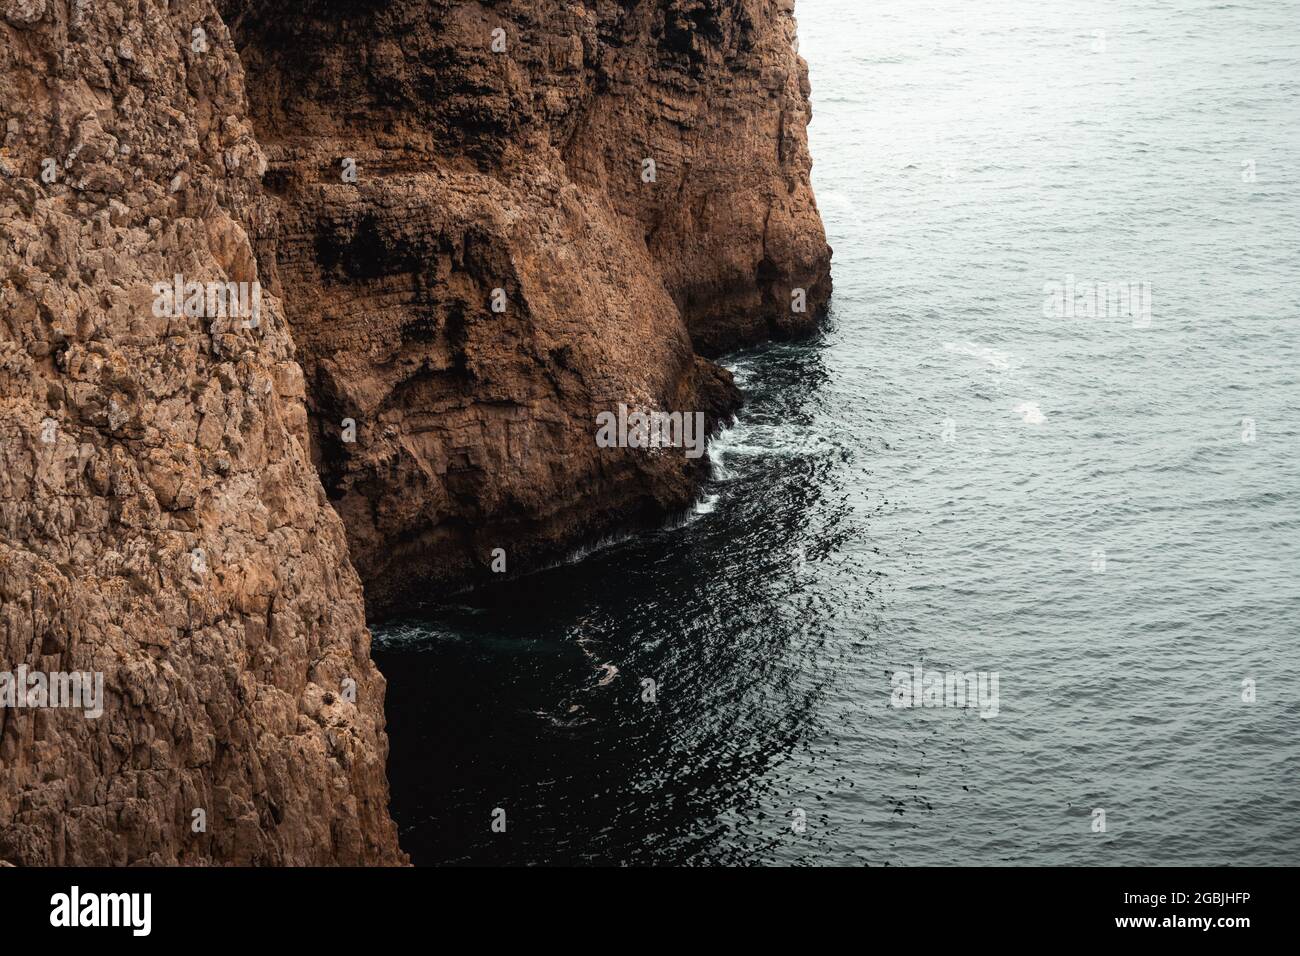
1102	511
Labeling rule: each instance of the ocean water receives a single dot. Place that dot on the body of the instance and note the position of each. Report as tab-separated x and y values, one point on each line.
1102	511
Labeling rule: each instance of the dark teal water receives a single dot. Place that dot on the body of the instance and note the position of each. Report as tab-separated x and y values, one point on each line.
934	480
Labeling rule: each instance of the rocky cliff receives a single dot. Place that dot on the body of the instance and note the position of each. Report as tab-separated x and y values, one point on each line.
160	522
469	229
629	179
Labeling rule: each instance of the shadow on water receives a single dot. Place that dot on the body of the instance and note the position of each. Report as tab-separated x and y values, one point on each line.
633	706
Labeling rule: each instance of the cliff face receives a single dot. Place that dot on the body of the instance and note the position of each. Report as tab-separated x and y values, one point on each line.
632	177
160	522
503	266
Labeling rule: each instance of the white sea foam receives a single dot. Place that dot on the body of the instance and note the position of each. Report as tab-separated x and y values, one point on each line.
1030	413
706	504
998	360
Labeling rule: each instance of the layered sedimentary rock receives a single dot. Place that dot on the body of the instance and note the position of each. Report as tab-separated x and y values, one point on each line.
556	210
160	520
629	180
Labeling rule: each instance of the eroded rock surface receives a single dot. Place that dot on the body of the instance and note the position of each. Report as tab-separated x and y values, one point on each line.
166	480
160	520
425	153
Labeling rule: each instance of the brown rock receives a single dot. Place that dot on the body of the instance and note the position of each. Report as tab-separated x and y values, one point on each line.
23	13
633	177
129	445
162	521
